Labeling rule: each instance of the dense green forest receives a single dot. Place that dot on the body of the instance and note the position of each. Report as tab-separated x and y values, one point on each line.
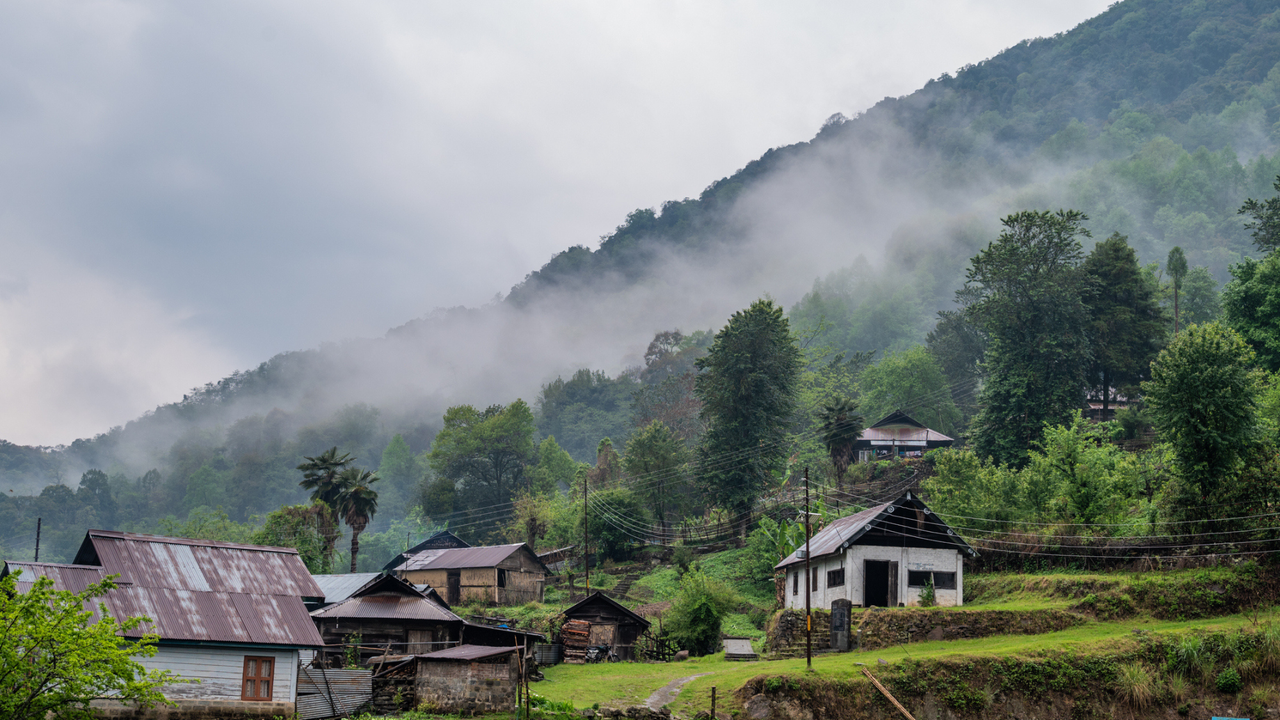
1155	122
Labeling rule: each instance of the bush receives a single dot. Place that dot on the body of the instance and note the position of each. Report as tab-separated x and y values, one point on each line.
1229	681
1137	686
697	612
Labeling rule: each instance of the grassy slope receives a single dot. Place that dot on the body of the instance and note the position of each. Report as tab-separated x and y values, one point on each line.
629	684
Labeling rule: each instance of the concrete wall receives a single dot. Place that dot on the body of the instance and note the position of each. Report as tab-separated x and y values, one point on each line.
908	559
217	695
472	687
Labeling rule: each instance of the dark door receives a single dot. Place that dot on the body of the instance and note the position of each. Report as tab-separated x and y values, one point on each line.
454	588
875	583
893	584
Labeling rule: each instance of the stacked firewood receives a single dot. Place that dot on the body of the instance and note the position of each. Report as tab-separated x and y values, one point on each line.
575	634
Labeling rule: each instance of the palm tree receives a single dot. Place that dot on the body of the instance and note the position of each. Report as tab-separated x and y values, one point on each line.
841	426
320	476
357	502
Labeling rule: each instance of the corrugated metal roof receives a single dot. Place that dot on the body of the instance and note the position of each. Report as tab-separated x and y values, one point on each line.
458	558
215	592
66	577
336	588
468	652
848	529
389	607
197	565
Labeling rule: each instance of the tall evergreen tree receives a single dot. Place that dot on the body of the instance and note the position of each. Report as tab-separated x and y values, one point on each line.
747	384
1127	324
1176	266
1030	303
841	425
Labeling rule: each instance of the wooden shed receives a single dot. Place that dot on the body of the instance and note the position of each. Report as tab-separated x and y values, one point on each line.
601	620
497	574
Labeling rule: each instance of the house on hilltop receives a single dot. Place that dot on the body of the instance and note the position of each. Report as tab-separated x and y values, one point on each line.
228	615
884	556
898	435
498	574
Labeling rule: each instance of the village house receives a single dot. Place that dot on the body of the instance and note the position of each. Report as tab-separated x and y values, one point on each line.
230	616
497	574
898	435
388	616
884	556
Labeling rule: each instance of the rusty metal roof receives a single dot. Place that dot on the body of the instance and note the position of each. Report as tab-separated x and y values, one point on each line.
469	652
65	577
195	590
336	588
842	533
458	558
198	565
388	607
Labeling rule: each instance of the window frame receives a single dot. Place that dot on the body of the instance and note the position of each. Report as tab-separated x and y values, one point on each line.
949	583
258	679
835	578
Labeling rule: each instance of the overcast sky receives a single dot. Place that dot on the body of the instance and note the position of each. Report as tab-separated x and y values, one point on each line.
189	188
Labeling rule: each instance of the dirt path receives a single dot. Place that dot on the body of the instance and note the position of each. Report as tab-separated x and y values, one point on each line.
669	692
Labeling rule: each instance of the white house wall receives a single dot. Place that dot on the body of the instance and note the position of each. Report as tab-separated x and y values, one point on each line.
220	671
908	558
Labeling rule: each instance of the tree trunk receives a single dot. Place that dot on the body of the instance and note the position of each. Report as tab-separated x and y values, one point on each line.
355	545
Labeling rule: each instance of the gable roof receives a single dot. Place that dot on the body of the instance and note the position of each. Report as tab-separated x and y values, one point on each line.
847	531
899	428
598	598
390	598
440	540
195	590
339	587
471	557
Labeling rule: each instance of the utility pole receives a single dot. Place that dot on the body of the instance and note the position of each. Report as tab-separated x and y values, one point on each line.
586	546
38	539
808	581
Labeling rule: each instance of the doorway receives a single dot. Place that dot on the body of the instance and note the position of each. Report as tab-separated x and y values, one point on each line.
880	583
453	587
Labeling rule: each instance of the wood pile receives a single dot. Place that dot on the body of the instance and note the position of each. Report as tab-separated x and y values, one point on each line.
575	634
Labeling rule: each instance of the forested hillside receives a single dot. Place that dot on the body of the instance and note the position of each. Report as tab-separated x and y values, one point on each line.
1155	120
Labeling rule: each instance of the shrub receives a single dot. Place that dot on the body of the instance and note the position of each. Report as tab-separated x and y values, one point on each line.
1229	681
694	620
928	598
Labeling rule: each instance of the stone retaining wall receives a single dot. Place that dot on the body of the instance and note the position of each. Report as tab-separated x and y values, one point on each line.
451	686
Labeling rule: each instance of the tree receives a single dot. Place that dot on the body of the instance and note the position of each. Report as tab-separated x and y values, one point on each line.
400	472
1028	297
1266	220
530	520
608	468
1176	266
585	408
841	426
303	528
911	381
55	657
357	503
484	453
958	343
320	476
1200	301
1202	396
655	462
95	492
555	468
1251	306
1127	324
697	612
747	385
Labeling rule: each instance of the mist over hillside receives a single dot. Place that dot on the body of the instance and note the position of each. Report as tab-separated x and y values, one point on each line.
1157	119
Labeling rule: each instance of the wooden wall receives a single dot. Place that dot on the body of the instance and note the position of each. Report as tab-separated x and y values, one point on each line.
220	671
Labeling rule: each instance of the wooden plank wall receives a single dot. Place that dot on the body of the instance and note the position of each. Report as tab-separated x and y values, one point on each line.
220	671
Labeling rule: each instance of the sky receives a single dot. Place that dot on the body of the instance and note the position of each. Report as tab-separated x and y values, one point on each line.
187	189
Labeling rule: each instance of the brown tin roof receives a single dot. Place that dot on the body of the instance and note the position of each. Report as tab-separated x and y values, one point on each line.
389	598
469	652
195	590
459	558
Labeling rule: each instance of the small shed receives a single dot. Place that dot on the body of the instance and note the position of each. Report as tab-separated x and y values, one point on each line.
389	617
498	574
884	556
601	620
898	435
474	679
228	615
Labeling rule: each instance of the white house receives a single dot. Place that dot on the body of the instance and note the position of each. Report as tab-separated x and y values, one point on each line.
228	615
884	556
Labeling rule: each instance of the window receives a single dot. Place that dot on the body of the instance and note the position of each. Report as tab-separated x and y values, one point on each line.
257	678
502	578
813	577
795	583
835	578
941	580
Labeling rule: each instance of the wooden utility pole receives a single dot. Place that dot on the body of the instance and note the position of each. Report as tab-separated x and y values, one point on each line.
808	581
38	520
586	546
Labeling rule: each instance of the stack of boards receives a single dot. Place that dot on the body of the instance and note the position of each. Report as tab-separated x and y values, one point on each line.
576	636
